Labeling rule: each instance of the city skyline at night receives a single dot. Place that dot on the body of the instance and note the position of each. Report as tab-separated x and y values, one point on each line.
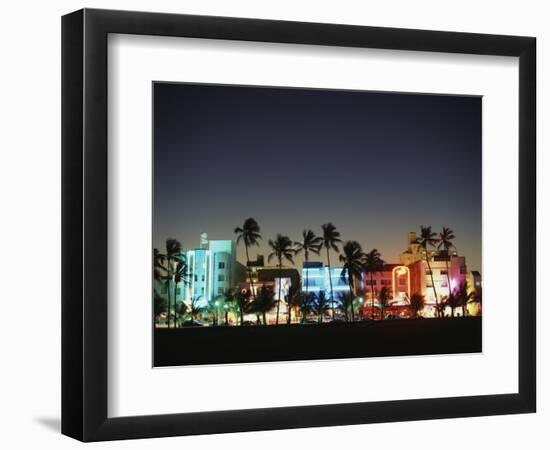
377	165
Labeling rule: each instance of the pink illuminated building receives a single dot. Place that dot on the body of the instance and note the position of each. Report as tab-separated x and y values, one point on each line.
412	276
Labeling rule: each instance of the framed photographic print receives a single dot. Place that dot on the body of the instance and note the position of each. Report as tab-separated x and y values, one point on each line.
340	218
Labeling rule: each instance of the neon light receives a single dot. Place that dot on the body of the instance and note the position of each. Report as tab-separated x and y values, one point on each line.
453	284
396	272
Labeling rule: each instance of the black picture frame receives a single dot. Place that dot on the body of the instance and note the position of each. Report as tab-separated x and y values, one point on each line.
84	224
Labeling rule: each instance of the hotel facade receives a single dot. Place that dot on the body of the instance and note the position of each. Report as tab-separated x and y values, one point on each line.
213	269
409	276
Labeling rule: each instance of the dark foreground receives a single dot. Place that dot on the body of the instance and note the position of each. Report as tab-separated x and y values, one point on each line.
218	345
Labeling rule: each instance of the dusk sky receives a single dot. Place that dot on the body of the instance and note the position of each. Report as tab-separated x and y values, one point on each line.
376	165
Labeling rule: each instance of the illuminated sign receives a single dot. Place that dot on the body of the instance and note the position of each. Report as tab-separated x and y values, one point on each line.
401	283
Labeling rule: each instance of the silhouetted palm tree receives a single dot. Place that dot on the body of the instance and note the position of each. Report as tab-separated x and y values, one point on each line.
428	239
383	296
249	233
228	304
243	303
264	302
417	303
159	305
181	310
453	302
320	305
309	243
181	275
346	304
331	239
372	263
166	262
352	258
293	298
282	249
440	307
445	241
302	301
214	307
464	296
195	308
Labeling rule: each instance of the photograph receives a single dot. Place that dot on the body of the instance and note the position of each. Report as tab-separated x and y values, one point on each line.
282	209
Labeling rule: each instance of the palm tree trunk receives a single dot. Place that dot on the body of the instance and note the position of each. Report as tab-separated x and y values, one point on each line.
372	293
279	293
433	284
352	296
448	277
250	273
330	282
168	311
307	278
175	304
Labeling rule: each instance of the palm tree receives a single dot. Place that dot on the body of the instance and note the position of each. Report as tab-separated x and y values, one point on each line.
428	239
453	301
383	296
214	306
440	307
445	241
417	303
181	275
346	303
242	300
228	304
372	263
159	305
264	302
249	233
464	296
194	308
282	249
352	259
181	309
303	302
165	263
309	243
320	305
331	239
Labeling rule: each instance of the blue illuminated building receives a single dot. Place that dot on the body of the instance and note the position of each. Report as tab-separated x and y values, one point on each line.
213	269
318	279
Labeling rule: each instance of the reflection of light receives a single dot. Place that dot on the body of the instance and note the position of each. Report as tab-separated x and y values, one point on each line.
453	284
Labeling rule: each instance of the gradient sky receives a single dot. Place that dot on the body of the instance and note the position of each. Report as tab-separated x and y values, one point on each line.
377	165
